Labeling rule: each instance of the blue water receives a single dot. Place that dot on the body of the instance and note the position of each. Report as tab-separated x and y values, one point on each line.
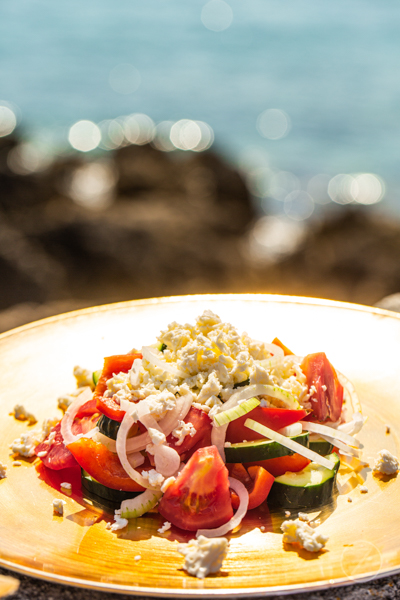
333	67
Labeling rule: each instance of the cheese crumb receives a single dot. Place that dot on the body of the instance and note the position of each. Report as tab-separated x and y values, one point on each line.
387	428
17	463
84	377
137	557
363	489
164	527
58	507
155	478
182	430
299	532
304	517
204	555
19	412
287	513
66	487
3	469
349	499
119	523
386	463
26	444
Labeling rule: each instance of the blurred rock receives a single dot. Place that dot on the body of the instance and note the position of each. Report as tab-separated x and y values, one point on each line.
140	223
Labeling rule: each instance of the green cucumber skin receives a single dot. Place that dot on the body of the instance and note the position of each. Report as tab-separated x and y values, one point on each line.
101	491
108	427
261	451
321	447
283	495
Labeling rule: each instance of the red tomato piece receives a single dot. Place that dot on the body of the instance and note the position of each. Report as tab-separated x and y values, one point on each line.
102	465
274	418
257	481
203	426
58	456
119	363
327	400
279	466
199	497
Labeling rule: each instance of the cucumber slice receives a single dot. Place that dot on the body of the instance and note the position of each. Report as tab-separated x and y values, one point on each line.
101	491
309	488
319	445
226	416
96	376
108	427
261	449
136	507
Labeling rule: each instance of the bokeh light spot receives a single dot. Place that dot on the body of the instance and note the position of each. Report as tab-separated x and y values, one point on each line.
191	135
274	237
8	121
299	205
339	188
217	15
367	188
84	136
273	124
28	158
92	185
139	129
317	187
124	79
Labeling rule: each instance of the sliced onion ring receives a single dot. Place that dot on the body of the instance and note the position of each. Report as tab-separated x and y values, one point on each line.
218	435
123	431
336	434
243	494
72	411
260	389
150	354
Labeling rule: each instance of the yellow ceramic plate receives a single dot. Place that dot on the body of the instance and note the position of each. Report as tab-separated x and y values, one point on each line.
36	367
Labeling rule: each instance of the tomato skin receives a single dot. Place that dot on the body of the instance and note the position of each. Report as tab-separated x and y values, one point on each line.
258	482
274	418
279	466
203	425
119	363
199	497
327	400
58	456
102	465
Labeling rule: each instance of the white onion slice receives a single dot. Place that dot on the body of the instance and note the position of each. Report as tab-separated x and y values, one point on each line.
166	459
350	389
292	430
136	459
278	356
109	443
289	443
218	435
123	431
343	448
243	494
355	425
260	389
335	434
167	423
138	506
151	355
134	372
68	418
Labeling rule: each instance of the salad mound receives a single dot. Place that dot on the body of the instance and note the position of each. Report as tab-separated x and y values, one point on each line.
206	424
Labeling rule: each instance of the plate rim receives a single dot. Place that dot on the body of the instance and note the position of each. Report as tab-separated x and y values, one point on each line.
201	592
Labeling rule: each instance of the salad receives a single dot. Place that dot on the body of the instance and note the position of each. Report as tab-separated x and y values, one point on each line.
204	425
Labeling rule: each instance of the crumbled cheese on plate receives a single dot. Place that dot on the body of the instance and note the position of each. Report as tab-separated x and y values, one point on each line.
386	463
300	532
204	555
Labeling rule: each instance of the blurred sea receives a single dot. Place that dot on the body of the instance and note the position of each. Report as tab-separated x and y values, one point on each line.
331	69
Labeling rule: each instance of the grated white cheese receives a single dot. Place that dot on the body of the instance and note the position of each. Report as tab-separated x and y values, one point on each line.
19	412
84	377
386	463
204	555
3	471
300	532
182	430
58	507
164	527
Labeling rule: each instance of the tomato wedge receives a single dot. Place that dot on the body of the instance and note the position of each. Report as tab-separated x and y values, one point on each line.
274	418
327	399
257	481
199	497
119	363
58	456
102	465
279	466
203	426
